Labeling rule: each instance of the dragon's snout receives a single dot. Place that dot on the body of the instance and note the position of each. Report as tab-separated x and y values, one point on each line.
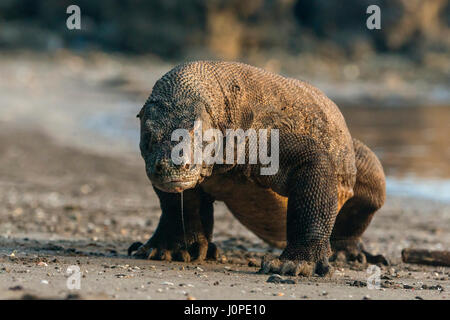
162	166
170	177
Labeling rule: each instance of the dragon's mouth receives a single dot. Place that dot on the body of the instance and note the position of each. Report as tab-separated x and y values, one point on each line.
176	186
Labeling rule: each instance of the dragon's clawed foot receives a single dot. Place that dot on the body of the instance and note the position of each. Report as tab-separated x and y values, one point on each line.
350	251
294	268
196	251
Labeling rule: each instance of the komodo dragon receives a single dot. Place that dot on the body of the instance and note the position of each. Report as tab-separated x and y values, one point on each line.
316	206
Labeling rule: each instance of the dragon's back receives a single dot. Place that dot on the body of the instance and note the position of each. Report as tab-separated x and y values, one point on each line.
235	92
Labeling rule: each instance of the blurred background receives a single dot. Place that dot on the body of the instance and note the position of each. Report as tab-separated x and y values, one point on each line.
84	87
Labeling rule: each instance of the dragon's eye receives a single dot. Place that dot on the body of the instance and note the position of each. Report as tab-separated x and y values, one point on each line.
146	144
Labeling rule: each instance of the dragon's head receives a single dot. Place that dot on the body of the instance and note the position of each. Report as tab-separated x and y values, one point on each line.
167	143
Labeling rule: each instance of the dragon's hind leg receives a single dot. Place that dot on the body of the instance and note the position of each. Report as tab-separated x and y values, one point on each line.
356	214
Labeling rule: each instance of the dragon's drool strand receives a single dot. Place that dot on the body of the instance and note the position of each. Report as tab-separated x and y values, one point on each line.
182	221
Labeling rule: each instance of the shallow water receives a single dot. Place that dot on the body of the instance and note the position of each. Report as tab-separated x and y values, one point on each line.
432	189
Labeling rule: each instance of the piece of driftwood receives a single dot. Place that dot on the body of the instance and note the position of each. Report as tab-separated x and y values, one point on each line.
429	257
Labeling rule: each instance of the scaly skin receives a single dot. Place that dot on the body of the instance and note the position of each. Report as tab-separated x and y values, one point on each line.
320	201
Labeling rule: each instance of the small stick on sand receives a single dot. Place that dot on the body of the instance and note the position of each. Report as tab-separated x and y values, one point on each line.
421	256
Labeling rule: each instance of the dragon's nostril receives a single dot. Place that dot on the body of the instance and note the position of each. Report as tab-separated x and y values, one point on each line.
187	166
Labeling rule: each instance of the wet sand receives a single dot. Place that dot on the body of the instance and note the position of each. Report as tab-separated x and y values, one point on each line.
71	195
